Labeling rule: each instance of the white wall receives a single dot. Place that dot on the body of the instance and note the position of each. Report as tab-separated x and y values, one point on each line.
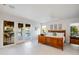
16	19
65	24
1	33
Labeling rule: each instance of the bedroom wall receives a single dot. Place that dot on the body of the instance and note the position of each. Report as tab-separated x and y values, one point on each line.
16	19
65	24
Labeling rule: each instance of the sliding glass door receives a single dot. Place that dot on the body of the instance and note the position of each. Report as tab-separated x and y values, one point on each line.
20	31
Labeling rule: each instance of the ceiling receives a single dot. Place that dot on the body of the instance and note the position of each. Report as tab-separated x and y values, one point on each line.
42	12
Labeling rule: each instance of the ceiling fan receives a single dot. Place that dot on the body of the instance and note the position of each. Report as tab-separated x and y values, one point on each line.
10	6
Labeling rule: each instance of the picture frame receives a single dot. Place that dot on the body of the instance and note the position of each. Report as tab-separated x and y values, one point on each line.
51	27
55	26
59	26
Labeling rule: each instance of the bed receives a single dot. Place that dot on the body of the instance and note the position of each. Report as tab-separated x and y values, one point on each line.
54	41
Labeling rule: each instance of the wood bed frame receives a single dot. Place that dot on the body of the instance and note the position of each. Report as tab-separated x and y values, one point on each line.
53	41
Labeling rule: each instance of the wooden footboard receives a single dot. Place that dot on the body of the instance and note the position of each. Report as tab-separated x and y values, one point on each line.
51	41
55	42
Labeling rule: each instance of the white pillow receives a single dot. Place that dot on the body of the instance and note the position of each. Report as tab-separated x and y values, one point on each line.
60	34
49	34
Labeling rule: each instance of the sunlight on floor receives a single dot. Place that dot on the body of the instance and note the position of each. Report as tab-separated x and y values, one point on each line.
28	44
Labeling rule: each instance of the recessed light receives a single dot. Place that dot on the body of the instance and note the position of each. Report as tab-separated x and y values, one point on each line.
10	6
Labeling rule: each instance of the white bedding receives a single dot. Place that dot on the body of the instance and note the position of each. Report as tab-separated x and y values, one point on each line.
61	35
58	35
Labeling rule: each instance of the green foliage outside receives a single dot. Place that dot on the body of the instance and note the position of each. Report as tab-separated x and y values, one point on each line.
74	30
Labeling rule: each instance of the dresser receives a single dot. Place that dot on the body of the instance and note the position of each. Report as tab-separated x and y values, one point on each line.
74	40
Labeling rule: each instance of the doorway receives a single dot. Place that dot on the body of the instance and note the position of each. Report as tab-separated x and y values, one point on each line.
8	33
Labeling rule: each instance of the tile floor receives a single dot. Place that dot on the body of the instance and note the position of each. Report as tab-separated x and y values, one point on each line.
33	48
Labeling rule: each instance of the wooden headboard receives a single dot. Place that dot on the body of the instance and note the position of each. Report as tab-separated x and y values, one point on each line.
59	31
